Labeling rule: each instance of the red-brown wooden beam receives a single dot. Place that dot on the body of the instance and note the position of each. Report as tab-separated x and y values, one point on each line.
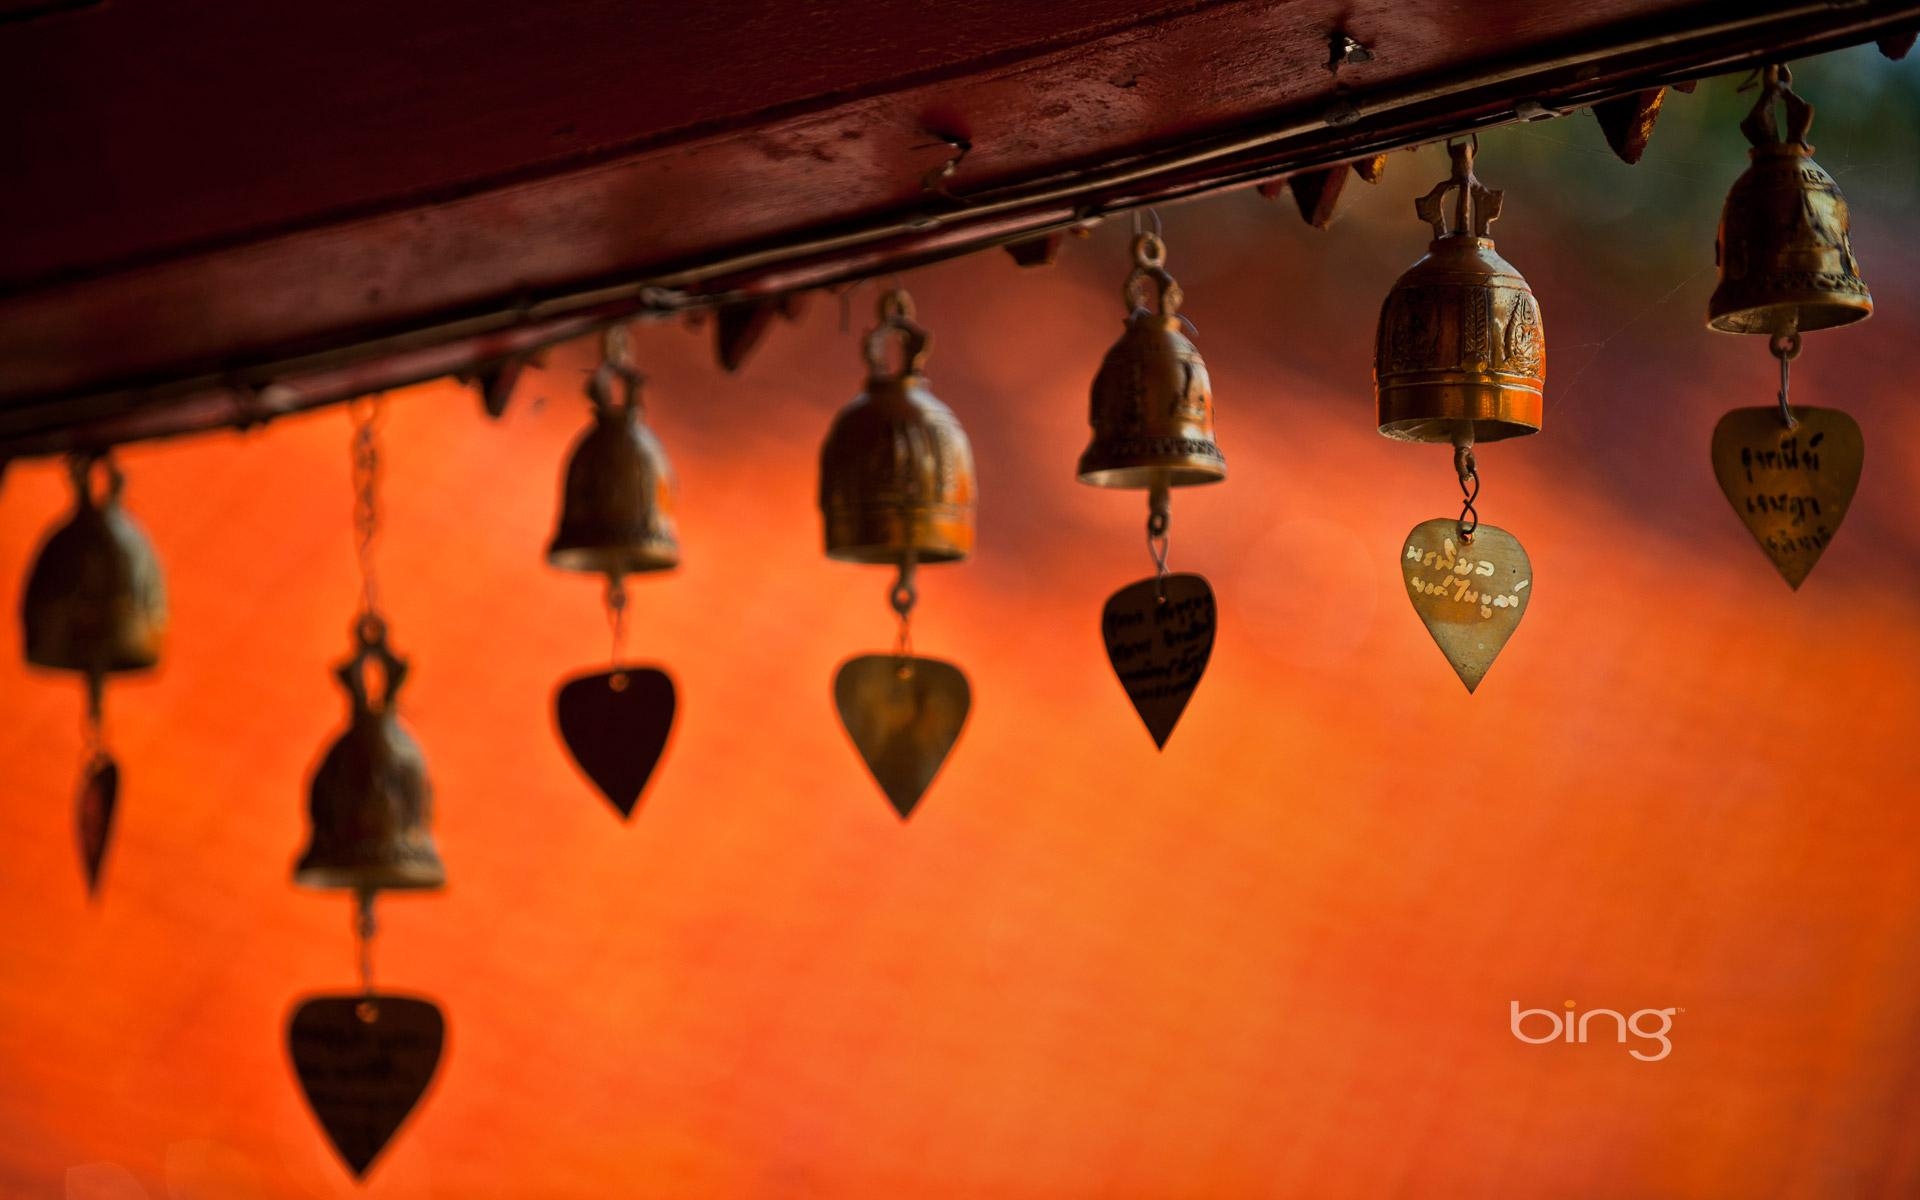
407	193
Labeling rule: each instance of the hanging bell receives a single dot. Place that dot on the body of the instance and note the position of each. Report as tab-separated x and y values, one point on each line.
95	601
1786	261
370	801
896	470
1459	356
1152	403
616	511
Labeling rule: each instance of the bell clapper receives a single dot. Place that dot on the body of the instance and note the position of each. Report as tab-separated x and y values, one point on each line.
1784	253
897	489
1151	413
95	605
1460	358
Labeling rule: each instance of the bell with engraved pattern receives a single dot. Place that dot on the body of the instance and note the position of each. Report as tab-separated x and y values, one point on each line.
896	470
1460	355
370	803
616	510
1784	247
95	602
1152	403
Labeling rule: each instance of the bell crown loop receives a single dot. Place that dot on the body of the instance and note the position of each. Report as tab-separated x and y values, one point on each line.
1150	264
1760	127
1475	206
80	469
895	312
370	645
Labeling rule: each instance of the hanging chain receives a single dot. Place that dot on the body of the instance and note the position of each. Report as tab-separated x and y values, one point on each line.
1469	472
1786	348
1159	516
902	598
93	723
363	931
366	502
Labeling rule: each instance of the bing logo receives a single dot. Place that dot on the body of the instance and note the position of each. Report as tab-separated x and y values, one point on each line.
1648	1024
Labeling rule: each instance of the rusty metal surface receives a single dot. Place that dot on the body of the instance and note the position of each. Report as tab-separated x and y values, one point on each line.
1460	354
363	1061
468	252
903	713
1159	638
615	725
1469	594
1789	484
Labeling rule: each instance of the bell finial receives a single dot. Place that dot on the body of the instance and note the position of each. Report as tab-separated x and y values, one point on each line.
1475	207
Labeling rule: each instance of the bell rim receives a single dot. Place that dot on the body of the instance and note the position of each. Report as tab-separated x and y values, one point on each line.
1752	318
420	878
875	554
1138	476
602	559
1485	429
118	665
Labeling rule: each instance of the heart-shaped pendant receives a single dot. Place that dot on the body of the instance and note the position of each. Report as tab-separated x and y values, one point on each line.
99	793
1790	484
1159	636
904	714
615	724
1470	594
364	1061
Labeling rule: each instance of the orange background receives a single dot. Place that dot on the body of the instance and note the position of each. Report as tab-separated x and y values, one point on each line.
1274	960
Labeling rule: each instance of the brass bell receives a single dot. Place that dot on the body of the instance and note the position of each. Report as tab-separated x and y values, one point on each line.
370	802
616	511
1786	261
896	470
1152	403
1459	355
95	601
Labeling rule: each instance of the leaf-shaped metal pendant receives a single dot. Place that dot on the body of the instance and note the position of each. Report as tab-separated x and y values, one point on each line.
1159	635
99	793
904	714
364	1062
1470	595
615	724
1790	485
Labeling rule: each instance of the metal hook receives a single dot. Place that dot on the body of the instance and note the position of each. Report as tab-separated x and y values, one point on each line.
1786	348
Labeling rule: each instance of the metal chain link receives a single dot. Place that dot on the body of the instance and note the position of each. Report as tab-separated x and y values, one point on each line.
366	498
901	597
363	930
1159	517
1469	472
617	613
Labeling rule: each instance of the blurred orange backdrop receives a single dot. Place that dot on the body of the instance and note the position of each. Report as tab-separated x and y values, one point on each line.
1274	960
